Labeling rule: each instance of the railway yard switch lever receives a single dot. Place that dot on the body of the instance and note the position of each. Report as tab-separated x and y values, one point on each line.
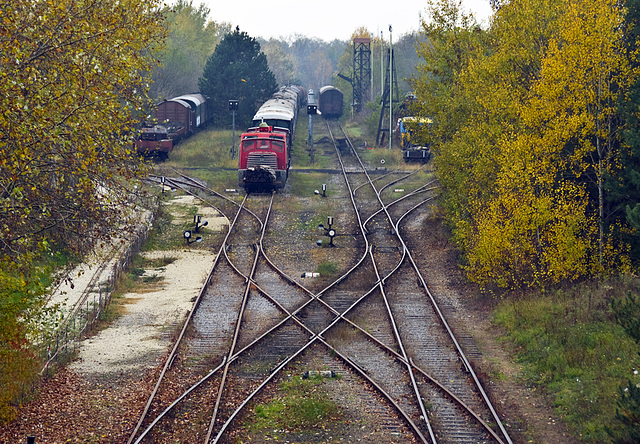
329	231
324	190
197	219
189	237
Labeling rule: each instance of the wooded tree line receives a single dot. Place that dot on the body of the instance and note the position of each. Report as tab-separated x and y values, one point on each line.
190	63
536	137
194	35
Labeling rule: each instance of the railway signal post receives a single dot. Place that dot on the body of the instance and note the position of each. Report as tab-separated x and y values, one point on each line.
312	109
233	107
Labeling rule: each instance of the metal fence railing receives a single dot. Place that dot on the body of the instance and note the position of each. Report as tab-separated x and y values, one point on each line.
88	308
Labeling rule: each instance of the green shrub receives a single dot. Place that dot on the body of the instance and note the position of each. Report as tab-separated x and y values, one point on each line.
627	314
626	427
22	314
326	268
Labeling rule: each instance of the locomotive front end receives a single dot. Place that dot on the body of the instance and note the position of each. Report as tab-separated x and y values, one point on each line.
263	163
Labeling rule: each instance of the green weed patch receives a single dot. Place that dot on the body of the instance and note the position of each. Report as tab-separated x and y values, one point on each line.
301	406
569	344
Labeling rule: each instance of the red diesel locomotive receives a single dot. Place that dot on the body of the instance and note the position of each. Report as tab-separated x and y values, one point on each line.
264	158
265	150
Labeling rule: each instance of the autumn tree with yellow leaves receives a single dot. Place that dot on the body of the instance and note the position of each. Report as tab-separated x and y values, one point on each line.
526	135
73	79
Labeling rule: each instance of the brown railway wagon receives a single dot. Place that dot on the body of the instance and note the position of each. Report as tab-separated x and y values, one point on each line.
330	102
176	111
189	110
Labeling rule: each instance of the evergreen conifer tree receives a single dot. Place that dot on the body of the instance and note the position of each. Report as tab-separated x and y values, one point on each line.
237	70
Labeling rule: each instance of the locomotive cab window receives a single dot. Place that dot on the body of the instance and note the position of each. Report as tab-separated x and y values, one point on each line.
248	145
277	145
149	137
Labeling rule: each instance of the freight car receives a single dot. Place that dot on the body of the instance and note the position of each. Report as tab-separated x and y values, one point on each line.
176	119
265	149
330	102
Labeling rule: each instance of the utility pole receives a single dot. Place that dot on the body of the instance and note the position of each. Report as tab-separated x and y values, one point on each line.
381	65
390	88
371	95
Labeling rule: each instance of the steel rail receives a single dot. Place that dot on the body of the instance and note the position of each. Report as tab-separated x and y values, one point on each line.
300	323
177	400
422	189
241	205
351	194
236	334
178	341
399	179
339	317
214	192
192	183
458	349
290	316
318	337
388	349
396	332
361	372
364	184
251	281
463	356
400	342
351	323
231	357
172	354
187	182
442	318
77	306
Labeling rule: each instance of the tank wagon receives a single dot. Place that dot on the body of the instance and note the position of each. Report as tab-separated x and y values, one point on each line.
330	102
265	149
177	118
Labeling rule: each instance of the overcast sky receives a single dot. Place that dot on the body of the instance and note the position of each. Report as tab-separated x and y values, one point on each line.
327	19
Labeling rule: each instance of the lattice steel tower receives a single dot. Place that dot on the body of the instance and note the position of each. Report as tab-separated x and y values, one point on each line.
361	72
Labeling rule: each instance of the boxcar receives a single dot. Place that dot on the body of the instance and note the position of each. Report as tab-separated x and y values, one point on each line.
330	102
198	115
176	118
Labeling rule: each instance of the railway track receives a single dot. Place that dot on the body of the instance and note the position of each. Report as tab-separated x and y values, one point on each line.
441	375
376	325
218	334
